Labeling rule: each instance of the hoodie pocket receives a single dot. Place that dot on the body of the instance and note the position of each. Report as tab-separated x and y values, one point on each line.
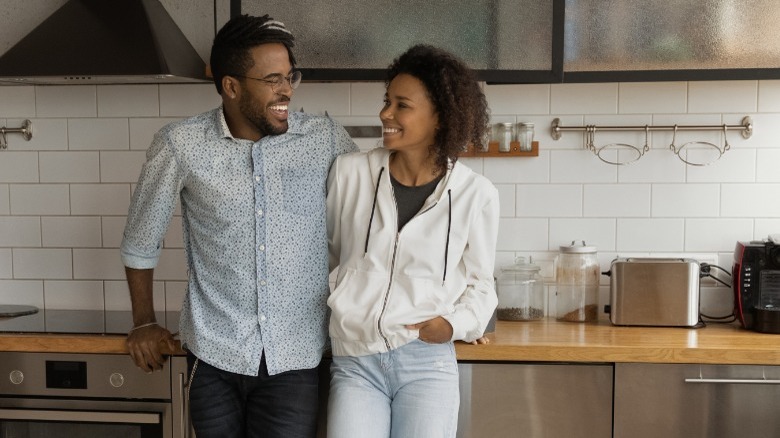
355	305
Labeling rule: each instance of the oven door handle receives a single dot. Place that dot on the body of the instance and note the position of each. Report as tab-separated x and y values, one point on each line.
79	416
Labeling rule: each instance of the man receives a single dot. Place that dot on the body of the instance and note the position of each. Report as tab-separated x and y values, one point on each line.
251	178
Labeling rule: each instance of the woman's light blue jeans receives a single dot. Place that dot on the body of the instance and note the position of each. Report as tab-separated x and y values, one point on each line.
409	392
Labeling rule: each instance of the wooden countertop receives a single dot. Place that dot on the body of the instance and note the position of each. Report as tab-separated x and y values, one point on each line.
550	341
529	341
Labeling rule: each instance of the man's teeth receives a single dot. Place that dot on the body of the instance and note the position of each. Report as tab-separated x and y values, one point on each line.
279	107
390	130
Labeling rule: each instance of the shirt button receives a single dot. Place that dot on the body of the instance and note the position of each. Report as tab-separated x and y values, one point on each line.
262	318
260	212
261	247
262	282
257	178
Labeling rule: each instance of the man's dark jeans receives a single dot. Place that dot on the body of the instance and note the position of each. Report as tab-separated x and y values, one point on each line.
228	405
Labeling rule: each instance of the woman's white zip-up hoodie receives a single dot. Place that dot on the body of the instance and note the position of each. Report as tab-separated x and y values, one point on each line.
439	264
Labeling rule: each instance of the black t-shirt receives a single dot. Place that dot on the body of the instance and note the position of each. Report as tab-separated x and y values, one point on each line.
409	200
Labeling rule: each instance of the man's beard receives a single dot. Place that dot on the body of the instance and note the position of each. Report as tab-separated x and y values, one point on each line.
259	117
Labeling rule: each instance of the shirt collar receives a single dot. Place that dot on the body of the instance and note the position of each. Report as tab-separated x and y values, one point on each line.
294	124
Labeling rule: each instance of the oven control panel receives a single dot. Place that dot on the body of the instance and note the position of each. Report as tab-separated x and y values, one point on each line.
80	375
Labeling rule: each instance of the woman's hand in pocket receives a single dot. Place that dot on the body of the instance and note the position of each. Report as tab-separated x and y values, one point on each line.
433	331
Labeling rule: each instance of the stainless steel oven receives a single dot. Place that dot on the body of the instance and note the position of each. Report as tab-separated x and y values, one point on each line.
90	395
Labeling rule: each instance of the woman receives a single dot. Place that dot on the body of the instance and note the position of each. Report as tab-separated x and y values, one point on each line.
414	235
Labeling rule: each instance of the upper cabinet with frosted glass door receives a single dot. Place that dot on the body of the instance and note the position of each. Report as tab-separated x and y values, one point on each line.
537	41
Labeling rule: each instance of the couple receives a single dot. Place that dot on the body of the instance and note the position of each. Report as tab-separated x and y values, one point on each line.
412	232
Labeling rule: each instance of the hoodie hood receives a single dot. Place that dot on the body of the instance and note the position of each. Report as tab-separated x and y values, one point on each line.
104	42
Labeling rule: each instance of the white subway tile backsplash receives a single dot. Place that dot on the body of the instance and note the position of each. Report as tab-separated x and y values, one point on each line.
174	295
70	167
172	265
656	165
43	263
174	237
142	131
316	98
549	200
616	200
98	134
6	265
20	231
650	234
185	100
5	200
518	99
753	201
19	167
117	296
17	101
48	135
595	232
113	227
97	264
73	295
686	200
39	199
365	99
722	96
121	166
99	199
128	100
71	232
767	163
22	292
716	234
528	234
580	167
766	131
652	97
66	101
584	98
518	169
764	227
506	198
735	165
769	96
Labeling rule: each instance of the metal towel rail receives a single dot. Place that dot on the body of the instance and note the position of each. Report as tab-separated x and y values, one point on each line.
25	130
746	127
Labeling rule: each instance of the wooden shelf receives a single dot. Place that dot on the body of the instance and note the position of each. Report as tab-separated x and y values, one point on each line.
494	152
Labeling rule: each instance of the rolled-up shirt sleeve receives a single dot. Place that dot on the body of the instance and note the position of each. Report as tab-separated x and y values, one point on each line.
152	205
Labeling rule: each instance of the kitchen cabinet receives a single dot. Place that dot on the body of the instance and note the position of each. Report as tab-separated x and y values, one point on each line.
527	41
681	400
535	400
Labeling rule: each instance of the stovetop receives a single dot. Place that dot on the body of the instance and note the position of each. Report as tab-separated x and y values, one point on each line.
81	322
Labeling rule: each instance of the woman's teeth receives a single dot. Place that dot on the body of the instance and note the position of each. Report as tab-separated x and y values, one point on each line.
390	130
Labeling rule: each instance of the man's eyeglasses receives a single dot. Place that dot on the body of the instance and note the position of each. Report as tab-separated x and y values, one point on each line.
276	81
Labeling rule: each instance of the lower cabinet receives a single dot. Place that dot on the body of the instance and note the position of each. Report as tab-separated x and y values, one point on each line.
714	401
535	400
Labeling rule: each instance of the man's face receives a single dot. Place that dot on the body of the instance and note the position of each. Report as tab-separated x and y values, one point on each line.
262	104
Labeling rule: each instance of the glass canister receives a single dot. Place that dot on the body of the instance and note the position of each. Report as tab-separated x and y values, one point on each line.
525	135
520	292
505	135
577	277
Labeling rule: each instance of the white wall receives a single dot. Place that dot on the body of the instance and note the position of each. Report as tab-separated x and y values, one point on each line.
64	194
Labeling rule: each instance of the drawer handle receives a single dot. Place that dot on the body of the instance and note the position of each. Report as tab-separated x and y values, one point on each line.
739	381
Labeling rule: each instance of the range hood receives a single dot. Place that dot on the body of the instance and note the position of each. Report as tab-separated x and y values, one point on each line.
104	42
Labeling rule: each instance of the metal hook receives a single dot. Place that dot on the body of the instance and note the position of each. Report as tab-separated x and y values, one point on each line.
674	139
726	145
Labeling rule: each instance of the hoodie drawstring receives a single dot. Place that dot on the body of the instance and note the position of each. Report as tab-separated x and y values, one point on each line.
373	208
449	226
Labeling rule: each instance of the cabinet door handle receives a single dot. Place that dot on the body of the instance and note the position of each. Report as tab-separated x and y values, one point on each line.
739	381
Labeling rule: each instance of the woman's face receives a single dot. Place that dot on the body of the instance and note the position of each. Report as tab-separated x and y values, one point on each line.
409	119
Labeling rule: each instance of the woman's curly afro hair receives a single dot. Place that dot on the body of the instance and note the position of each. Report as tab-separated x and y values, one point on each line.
457	98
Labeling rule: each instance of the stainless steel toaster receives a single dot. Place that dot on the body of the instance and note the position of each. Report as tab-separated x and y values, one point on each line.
654	292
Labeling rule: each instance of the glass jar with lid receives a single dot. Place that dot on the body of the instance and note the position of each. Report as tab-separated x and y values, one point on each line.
577	277
520	292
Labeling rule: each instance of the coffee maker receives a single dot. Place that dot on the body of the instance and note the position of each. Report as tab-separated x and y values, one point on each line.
756	284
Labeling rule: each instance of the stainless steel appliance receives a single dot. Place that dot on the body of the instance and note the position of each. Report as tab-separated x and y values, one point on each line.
654	292
90	395
756	284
